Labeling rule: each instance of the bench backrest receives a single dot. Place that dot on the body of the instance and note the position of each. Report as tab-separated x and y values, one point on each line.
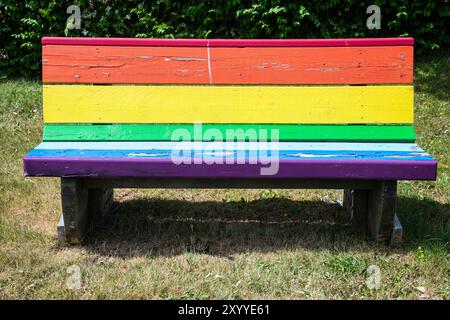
99	89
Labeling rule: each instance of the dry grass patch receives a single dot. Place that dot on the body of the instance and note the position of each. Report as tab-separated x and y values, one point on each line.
230	244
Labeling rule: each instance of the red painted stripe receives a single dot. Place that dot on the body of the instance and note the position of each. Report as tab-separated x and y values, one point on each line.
230	42
232	65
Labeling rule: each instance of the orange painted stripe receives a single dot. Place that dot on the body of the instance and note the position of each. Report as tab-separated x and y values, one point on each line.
227	65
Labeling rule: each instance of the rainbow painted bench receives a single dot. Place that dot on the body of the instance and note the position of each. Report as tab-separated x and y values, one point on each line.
199	113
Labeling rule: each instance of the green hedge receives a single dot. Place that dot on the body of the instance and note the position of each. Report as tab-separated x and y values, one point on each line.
22	24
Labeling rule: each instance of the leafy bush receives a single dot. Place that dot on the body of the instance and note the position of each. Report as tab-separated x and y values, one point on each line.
23	24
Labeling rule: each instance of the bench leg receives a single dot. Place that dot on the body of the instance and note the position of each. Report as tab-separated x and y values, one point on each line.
382	203
80	206
99	201
397	233
373	212
355	203
347	202
60	230
74	200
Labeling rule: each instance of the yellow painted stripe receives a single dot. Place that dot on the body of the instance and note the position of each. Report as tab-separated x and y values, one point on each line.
228	104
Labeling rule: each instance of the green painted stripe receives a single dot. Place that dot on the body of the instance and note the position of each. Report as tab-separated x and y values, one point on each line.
287	132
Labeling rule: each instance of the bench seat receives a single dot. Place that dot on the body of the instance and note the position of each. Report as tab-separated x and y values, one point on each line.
374	161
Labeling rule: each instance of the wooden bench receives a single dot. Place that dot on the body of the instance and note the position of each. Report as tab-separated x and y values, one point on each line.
335	113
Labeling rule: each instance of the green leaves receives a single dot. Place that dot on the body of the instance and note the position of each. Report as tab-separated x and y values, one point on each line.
24	25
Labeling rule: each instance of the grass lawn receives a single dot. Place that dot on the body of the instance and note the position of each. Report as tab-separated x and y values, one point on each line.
270	244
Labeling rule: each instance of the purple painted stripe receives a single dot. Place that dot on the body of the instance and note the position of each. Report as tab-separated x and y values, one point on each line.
228	42
288	168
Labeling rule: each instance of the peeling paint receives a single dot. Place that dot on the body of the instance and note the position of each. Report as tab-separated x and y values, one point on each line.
308	155
146	155
186	59
145	58
323	69
399	157
83	66
231	66
105	66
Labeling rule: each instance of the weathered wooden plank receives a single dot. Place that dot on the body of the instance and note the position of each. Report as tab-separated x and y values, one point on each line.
288	146
286	132
228	104
93	64
330	65
407	41
194	65
382	203
74	200
230	154
233	150
268	183
288	168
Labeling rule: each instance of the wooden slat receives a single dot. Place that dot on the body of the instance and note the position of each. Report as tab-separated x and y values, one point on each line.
230	42
289	146
228	104
223	153
93	64
194	65
193	183
296	160
331	65
162	132
165	168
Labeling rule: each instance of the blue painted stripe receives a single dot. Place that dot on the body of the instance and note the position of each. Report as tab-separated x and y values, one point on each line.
219	153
